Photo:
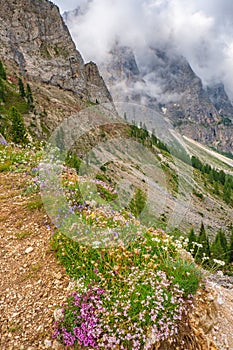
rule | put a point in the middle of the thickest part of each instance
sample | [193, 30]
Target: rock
[58, 315]
[91, 203]
[220, 273]
[220, 300]
[29, 250]
[48, 343]
[58, 276]
[57, 346]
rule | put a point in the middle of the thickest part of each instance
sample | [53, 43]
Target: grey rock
[34, 36]
[48, 343]
[29, 250]
[58, 315]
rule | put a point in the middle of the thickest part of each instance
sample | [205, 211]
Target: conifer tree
[29, 97]
[18, 130]
[219, 247]
[2, 91]
[227, 192]
[2, 71]
[138, 202]
[204, 249]
[192, 239]
[223, 240]
[231, 248]
[216, 188]
[21, 88]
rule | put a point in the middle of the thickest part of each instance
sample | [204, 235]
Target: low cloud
[201, 31]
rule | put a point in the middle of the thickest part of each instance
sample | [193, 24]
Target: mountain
[161, 79]
[35, 40]
[169, 85]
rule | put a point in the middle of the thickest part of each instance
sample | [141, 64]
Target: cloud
[202, 31]
[66, 5]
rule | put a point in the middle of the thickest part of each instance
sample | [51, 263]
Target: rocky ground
[33, 284]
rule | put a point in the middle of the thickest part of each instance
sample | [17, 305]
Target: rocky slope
[35, 40]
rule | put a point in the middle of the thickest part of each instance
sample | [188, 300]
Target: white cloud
[200, 30]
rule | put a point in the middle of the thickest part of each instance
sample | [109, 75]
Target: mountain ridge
[172, 88]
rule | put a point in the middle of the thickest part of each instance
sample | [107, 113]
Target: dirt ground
[32, 282]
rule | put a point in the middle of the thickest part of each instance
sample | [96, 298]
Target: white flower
[219, 262]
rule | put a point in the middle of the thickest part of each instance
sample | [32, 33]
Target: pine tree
[216, 188]
[204, 249]
[222, 177]
[29, 97]
[2, 91]
[21, 88]
[2, 71]
[227, 192]
[192, 239]
[18, 130]
[138, 202]
[211, 176]
[223, 240]
[219, 247]
[231, 248]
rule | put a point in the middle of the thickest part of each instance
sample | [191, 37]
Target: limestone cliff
[34, 36]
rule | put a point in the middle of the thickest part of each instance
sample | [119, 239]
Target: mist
[200, 30]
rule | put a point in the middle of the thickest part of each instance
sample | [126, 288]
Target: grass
[23, 234]
[5, 166]
[13, 327]
[35, 204]
[19, 159]
[12, 98]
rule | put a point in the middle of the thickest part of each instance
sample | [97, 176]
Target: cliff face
[34, 36]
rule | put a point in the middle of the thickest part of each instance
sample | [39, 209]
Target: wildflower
[219, 262]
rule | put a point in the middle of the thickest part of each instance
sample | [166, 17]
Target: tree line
[12, 124]
[207, 253]
[216, 177]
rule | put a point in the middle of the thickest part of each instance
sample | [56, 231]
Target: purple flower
[3, 142]
[68, 338]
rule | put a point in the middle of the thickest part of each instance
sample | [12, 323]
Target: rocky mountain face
[35, 39]
[168, 84]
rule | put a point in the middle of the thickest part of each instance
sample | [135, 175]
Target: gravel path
[32, 283]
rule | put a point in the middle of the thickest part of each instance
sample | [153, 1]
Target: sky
[200, 30]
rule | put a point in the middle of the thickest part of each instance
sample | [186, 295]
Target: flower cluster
[80, 323]
[144, 298]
